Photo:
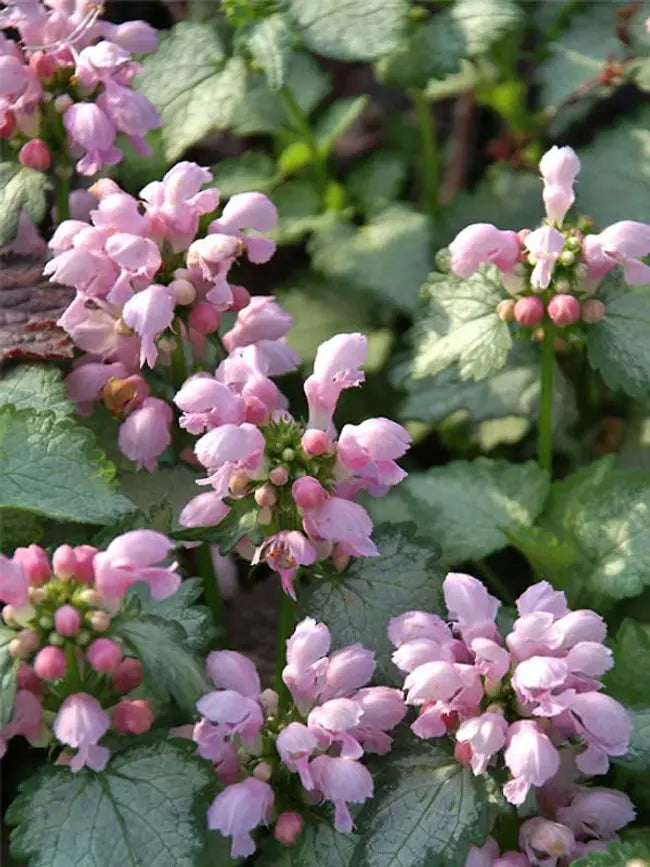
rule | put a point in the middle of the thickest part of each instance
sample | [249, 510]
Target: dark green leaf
[8, 671]
[552, 558]
[375, 182]
[337, 119]
[35, 386]
[617, 855]
[250, 171]
[637, 758]
[300, 211]
[432, 50]
[140, 811]
[270, 43]
[173, 486]
[358, 604]
[18, 527]
[19, 188]
[51, 466]
[318, 846]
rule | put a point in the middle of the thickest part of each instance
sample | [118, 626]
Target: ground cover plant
[324, 454]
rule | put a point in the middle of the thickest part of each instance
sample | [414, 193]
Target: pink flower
[480, 243]
[138, 260]
[492, 660]
[132, 557]
[483, 856]
[542, 597]
[20, 89]
[81, 723]
[342, 781]
[604, 725]
[35, 563]
[230, 447]
[261, 319]
[348, 669]
[249, 211]
[531, 758]
[538, 682]
[564, 310]
[239, 809]
[331, 722]
[234, 713]
[559, 168]
[210, 259]
[336, 367]
[597, 812]
[85, 383]
[206, 510]
[339, 520]
[370, 448]
[486, 734]
[306, 662]
[308, 493]
[228, 669]
[545, 244]
[382, 709]
[471, 606]
[93, 132]
[149, 313]
[35, 154]
[420, 650]
[577, 626]
[208, 403]
[418, 624]
[285, 552]
[539, 838]
[533, 634]
[14, 586]
[433, 681]
[295, 745]
[624, 244]
[131, 112]
[26, 718]
[145, 434]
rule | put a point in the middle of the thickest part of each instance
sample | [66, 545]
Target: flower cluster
[555, 269]
[298, 481]
[524, 704]
[64, 92]
[62, 613]
[277, 762]
[144, 282]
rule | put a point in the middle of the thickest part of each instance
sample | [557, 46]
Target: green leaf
[35, 386]
[427, 809]
[467, 505]
[141, 810]
[619, 345]
[169, 668]
[358, 604]
[389, 256]
[637, 757]
[181, 608]
[485, 22]
[611, 190]
[250, 171]
[461, 325]
[8, 672]
[432, 50]
[271, 43]
[617, 855]
[192, 85]
[550, 557]
[19, 528]
[300, 211]
[350, 29]
[51, 466]
[318, 846]
[19, 188]
[336, 119]
[240, 521]
[174, 486]
[629, 680]
[375, 182]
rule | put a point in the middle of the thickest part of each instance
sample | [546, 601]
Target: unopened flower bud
[98, 620]
[264, 516]
[46, 621]
[7, 126]
[15, 648]
[263, 772]
[35, 563]
[50, 663]
[506, 310]
[288, 455]
[288, 828]
[573, 243]
[308, 493]
[30, 640]
[64, 562]
[562, 286]
[44, 65]
[127, 675]
[269, 699]
[529, 311]
[567, 258]
[27, 678]
[62, 103]
[279, 476]
[463, 753]
[204, 318]
[132, 716]
[582, 272]
[238, 482]
[241, 298]
[35, 154]
[315, 442]
[592, 311]
[58, 640]
[183, 291]
[340, 558]
[89, 597]
[104, 655]
[8, 616]
[37, 595]
[67, 620]
[564, 310]
[266, 496]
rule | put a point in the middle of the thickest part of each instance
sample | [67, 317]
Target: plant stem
[285, 628]
[73, 674]
[308, 137]
[429, 163]
[178, 368]
[545, 441]
[205, 566]
[62, 202]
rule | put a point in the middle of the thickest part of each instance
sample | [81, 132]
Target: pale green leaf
[8, 672]
[485, 22]
[432, 49]
[300, 211]
[250, 171]
[376, 181]
[270, 42]
[35, 386]
[175, 486]
[19, 188]
[336, 119]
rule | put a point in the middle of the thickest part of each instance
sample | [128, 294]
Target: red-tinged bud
[241, 298]
[98, 620]
[104, 187]
[35, 154]
[28, 679]
[529, 311]
[264, 516]
[522, 234]
[204, 318]
[7, 126]
[104, 655]
[266, 496]
[256, 411]
[44, 65]
[592, 311]
[263, 772]
[64, 562]
[564, 310]
[85, 556]
[132, 717]
[340, 558]
[308, 493]
[30, 640]
[67, 620]
[450, 720]
[288, 828]
[50, 663]
[506, 310]
[279, 476]
[127, 675]
[315, 442]
[183, 290]
[35, 563]
[463, 753]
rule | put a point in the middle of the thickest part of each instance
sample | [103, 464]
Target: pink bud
[529, 311]
[308, 493]
[564, 310]
[62, 103]
[263, 772]
[127, 675]
[266, 496]
[99, 620]
[30, 640]
[28, 679]
[506, 310]
[240, 298]
[84, 557]
[35, 154]
[7, 126]
[133, 717]
[279, 476]
[463, 753]
[50, 663]
[315, 442]
[64, 562]
[67, 620]
[288, 828]
[35, 563]
[44, 65]
[340, 558]
[204, 318]
[104, 655]
[591, 311]
[183, 291]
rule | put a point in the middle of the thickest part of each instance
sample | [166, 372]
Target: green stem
[429, 162]
[205, 566]
[308, 137]
[545, 441]
[178, 368]
[73, 675]
[62, 200]
[285, 628]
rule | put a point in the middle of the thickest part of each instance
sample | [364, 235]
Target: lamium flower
[81, 723]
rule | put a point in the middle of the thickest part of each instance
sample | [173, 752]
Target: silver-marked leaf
[35, 386]
[318, 846]
[270, 43]
[8, 673]
[19, 188]
[337, 119]
[484, 22]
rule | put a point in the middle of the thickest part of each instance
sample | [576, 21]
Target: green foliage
[19, 188]
[431, 50]
[460, 324]
[376, 181]
[637, 757]
[192, 84]
[483, 23]
[8, 671]
[388, 256]
[336, 119]
[251, 171]
[240, 521]
[172, 487]
[467, 506]
[358, 603]
[35, 386]
[318, 846]
[271, 42]
[618, 345]
[140, 810]
[299, 211]
[51, 466]
[617, 855]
